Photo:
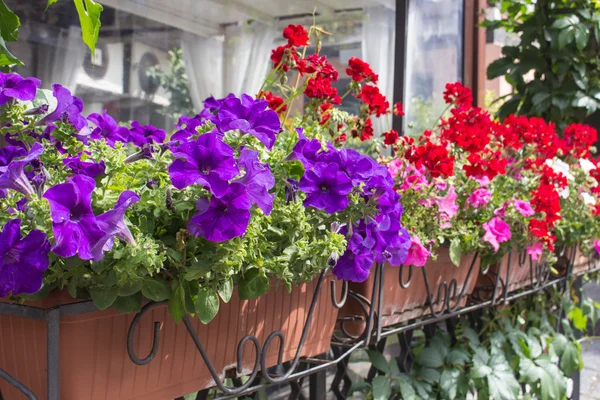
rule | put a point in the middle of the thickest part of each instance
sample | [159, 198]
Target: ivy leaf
[104, 297]
[430, 358]
[89, 17]
[156, 289]
[206, 305]
[254, 284]
[177, 304]
[382, 388]
[226, 289]
[9, 23]
[6, 57]
[378, 361]
[455, 251]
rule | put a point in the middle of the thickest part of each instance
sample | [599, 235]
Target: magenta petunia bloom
[447, 204]
[107, 129]
[207, 161]
[258, 180]
[68, 108]
[88, 168]
[74, 224]
[112, 224]
[14, 86]
[524, 208]
[22, 260]
[249, 116]
[417, 254]
[223, 218]
[535, 251]
[13, 175]
[327, 187]
[597, 246]
[145, 134]
[496, 232]
[479, 197]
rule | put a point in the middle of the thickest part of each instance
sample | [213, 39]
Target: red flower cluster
[488, 163]
[287, 56]
[579, 138]
[468, 128]
[359, 70]
[320, 86]
[376, 101]
[367, 132]
[458, 95]
[274, 102]
[391, 137]
[398, 110]
[296, 35]
[540, 229]
[520, 131]
[434, 157]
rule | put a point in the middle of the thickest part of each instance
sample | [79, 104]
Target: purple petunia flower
[14, 86]
[223, 218]
[13, 175]
[68, 108]
[187, 127]
[107, 129]
[354, 265]
[326, 187]
[306, 150]
[207, 161]
[258, 180]
[148, 134]
[249, 116]
[112, 224]
[75, 227]
[88, 168]
[22, 260]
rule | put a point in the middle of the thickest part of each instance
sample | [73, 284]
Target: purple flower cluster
[13, 86]
[330, 176]
[13, 161]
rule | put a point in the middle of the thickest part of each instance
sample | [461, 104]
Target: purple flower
[354, 265]
[392, 241]
[107, 129]
[479, 197]
[524, 208]
[326, 187]
[291, 190]
[258, 180]
[223, 218]
[75, 227]
[22, 260]
[9, 153]
[496, 232]
[187, 127]
[206, 161]
[68, 108]
[112, 224]
[88, 168]
[306, 150]
[13, 86]
[148, 134]
[13, 176]
[249, 116]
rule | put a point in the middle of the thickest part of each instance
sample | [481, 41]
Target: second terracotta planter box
[94, 362]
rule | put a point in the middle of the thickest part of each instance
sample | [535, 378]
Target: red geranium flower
[579, 138]
[377, 102]
[434, 157]
[321, 88]
[398, 110]
[367, 132]
[286, 55]
[360, 70]
[296, 35]
[458, 95]
[391, 137]
[273, 101]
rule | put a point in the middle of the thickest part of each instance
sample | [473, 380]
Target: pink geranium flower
[496, 232]
[480, 197]
[417, 253]
[535, 251]
[524, 208]
[394, 167]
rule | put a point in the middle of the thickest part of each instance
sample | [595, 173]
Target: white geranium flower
[560, 166]
[586, 165]
[564, 193]
[588, 199]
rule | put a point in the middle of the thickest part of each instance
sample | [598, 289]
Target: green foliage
[89, 18]
[558, 43]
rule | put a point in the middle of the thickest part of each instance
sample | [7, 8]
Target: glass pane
[434, 57]
[157, 60]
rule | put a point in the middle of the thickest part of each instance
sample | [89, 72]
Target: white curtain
[62, 62]
[379, 29]
[203, 59]
[247, 51]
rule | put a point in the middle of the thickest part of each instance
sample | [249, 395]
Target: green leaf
[6, 57]
[578, 318]
[378, 361]
[50, 2]
[449, 383]
[226, 289]
[177, 304]
[430, 358]
[156, 289]
[128, 304]
[569, 361]
[359, 386]
[382, 388]
[582, 37]
[457, 357]
[206, 305]
[539, 98]
[104, 297]
[455, 251]
[254, 284]
[561, 23]
[480, 371]
[131, 288]
[503, 385]
[89, 18]
[565, 37]
[499, 67]
[9, 23]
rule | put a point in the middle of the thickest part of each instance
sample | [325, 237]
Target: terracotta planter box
[402, 304]
[582, 263]
[94, 363]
